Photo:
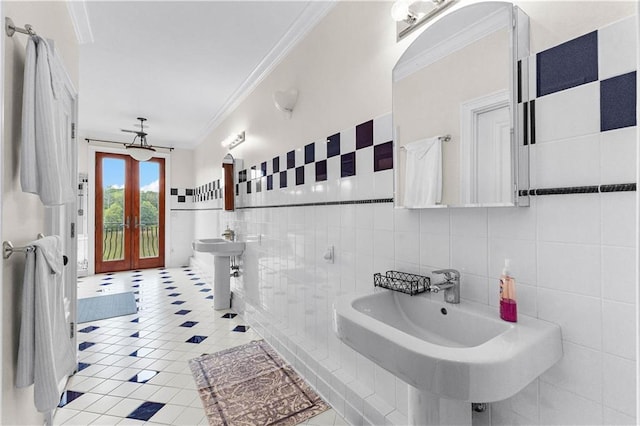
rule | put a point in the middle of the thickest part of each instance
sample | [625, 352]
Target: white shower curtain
[44, 168]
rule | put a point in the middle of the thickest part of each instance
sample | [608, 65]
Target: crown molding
[310, 16]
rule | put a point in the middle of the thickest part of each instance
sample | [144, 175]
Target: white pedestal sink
[449, 354]
[222, 250]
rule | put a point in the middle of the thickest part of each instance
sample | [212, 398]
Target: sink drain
[443, 311]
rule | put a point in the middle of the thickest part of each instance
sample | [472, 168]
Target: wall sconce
[233, 140]
[286, 101]
[412, 14]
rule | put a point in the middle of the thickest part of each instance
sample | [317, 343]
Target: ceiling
[183, 65]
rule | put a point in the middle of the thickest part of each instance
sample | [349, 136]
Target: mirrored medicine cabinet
[463, 81]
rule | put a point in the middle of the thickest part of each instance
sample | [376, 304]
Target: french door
[129, 221]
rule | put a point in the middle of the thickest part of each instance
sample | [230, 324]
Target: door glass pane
[113, 222]
[149, 213]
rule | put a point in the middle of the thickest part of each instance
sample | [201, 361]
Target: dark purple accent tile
[249, 187]
[229, 315]
[145, 411]
[188, 324]
[241, 328]
[618, 102]
[183, 312]
[321, 171]
[276, 164]
[269, 182]
[300, 175]
[189, 191]
[310, 153]
[178, 302]
[143, 376]
[283, 179]
[174, 294]
[84, 345]
[182, 199]
[567, 65]
[263, 168]
[237, 189]
[348, 164]
[68, 396]
[383, 156]
[364, 134]
[196, 339]
[333, 145]
[174, 191]
[83, 365]
[291, 159]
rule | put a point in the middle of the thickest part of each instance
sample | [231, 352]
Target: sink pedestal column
[426, 408]
[221, 282]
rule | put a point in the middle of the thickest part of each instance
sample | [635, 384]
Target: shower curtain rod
[11, 29]
[89, 140]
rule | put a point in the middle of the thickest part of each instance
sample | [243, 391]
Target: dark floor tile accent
[209, 297]
[383, 156]
[333, 145]
[348, 164]
[269, 182]
[82, 366]
[291, 159]
[84, 345]
[199, 284]
[195, 339]
[107, 278]
[174, 294]
[136, 286]
[568, 65]
[300, 175]
[194, 279]
[172, 287]
[143, 376]
[321, 171]
[68, 396]
[135, 320]
[241, 328]
[205, 290]
[183, 312]
[310, 153]
[167, 282]
[110, 273]
[364, 134]
[136, 334]
[88, 329]
[136, 281]
[145, 411]
[276, 164]
[142, 352]
[103, 284]
[229, 315]
[188, 324]
[178, 302]
[283, 179]
[618, 102]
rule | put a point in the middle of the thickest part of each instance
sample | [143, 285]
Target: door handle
[127, 222]
[135, 221]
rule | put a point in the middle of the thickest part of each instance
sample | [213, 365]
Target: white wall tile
[613, 417]
[435, 221]
[516, 223]
[579, 108]
[407, 246]
[569, 267]
[572, 218]
[383, 129]
[383, 184]
[348, 140]
[469, 222]
[434, 250]
[619, 219]
[578, 371]
[617, 48]
[524, 405]
[383, 214]
[619, 329]
[560, 407]
[522, 254]
[469, 255]
[472, 287]
[580, 317]
[618, 155]
[618, 273]
[385, 385]
[406, 220]
[619, 391]
[552, 169]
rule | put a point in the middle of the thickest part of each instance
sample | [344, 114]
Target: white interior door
[493, 147]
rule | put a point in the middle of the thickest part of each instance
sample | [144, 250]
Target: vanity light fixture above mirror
[412, 14]
[233, 140]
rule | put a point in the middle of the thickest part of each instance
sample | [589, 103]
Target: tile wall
[573, 254]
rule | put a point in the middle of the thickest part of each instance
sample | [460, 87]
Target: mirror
[228, 187]
[458, 109]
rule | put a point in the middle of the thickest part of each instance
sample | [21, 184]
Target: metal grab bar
[8, 249]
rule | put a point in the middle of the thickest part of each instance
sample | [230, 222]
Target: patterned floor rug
[252, 385]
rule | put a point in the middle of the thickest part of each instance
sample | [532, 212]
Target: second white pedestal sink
[222, 250]
[449, 354]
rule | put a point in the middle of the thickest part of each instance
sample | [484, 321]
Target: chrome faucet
[228, 234]
[451, 285]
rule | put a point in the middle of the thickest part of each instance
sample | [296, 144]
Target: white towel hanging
[423, 177]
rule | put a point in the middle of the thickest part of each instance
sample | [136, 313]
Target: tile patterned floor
[133, 369]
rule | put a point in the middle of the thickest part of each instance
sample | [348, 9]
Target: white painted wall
[575, 254]
[23, 216]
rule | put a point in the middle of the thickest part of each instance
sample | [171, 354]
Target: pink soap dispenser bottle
[508, 306]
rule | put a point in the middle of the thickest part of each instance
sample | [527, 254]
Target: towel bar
[8, 248]
[444, 138]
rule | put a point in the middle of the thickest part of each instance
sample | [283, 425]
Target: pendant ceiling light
[140, 151]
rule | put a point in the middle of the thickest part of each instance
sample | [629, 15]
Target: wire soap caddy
[402, 281]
